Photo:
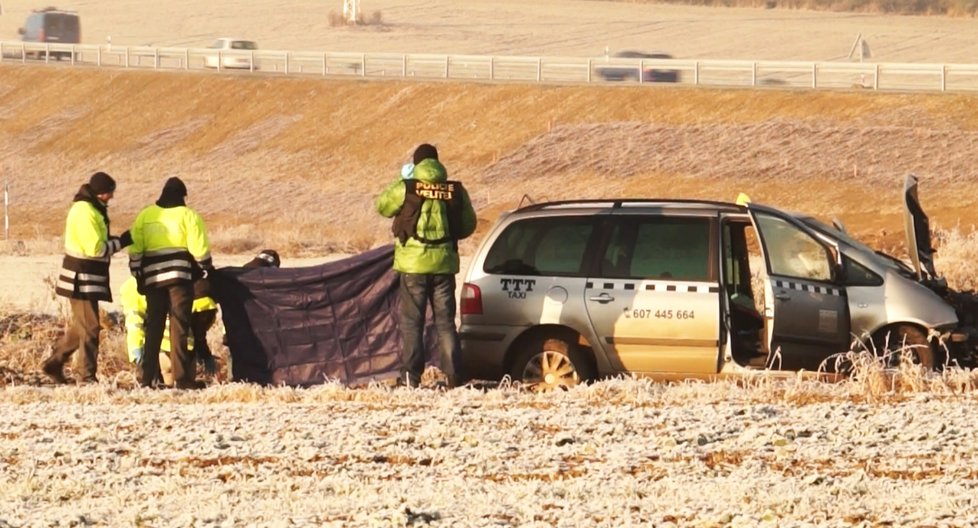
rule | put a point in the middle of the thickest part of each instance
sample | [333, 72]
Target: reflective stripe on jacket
[84, 270]
[167, 243]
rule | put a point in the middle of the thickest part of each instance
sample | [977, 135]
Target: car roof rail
[619, 203]
[52, 9]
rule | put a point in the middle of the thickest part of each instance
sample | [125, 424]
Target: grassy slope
[296, 163]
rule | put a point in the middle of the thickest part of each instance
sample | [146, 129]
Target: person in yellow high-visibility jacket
[84, 278]
[170, 250]
[134, 308]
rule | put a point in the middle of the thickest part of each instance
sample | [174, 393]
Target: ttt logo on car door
[517, 288]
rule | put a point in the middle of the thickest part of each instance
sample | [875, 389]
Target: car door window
[792, 252]
[667, 248]
[859, 275]
[541, 246]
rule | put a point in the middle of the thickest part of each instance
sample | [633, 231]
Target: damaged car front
[895, 306]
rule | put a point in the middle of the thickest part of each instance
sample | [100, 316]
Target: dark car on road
[628, 70]
[52, 25]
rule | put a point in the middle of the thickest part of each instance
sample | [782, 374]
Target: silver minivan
[562, 292]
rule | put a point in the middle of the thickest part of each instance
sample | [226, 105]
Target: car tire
[890, 344]
[550, 362]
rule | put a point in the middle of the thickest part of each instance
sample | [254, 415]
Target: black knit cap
[101, 183]
[173, 189]
[425, 151]
[268, 258]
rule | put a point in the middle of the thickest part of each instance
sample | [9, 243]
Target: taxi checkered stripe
[808, 288]
[631, 286]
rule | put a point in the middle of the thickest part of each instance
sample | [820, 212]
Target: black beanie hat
[174, 189]
[268, 258]
[423, 152]
[101, 183]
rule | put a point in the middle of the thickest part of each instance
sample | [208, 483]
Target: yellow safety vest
[84, 270]
[166, 242]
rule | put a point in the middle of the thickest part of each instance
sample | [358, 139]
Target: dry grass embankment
[296, 163]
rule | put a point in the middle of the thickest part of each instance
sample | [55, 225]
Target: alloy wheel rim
[549, 370]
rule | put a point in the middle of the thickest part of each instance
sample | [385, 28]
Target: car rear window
[61, 23]
[243, 44]
[541, 246]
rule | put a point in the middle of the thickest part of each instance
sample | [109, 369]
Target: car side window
[541, 246]
[670, 248]
[859, 275]
[791, 252]
[34, 23]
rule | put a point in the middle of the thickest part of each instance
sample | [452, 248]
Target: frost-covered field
[865, 452]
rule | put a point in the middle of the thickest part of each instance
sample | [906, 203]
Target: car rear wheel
[895, 343]
[551, 363]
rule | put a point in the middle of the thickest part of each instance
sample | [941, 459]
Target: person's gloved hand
[126, 239]
[136, 356]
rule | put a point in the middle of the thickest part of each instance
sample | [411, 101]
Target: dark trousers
[82, 334]
[201, 322]
[418, 290]
[176, 301]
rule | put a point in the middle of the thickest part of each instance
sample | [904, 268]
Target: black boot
[54, 369]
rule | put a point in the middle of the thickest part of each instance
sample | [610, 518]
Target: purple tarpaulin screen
[306, 326]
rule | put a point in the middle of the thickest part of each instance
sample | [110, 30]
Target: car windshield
[844, 237]
[234, 44]
[641, 55]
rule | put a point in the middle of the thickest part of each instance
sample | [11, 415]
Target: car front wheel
[892, 345]
[551, 363]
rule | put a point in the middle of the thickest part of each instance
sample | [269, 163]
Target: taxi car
[563, 292]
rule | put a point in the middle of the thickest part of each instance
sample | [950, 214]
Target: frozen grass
[883, 447]
[616, 453]
[957, 256]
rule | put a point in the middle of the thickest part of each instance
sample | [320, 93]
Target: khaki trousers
[81, 334]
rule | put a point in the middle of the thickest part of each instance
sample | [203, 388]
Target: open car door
[806, 312]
